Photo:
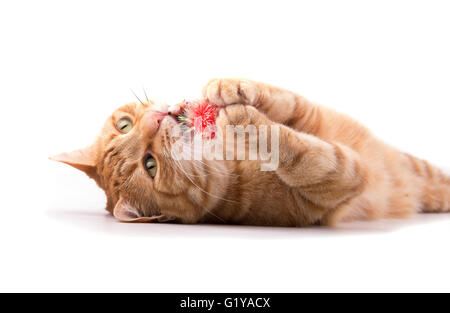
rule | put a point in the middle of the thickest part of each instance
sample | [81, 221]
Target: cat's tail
[436, 186]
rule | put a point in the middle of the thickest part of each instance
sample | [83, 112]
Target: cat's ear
[83, 160]
[127, 213]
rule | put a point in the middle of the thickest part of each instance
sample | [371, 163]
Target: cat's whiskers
[177, 163]
[136, 96]
[187, 149]
[214, 170]
[189, 177]
[146, 96]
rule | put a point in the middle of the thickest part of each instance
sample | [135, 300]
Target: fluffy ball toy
[200, 116]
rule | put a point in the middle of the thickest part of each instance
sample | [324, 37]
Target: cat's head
[131, 161]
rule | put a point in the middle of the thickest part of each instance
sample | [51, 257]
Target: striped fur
[331, 168]
[334, 162]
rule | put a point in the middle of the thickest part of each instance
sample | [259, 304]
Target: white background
[65, 65]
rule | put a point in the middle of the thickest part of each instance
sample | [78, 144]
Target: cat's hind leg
[435, 185]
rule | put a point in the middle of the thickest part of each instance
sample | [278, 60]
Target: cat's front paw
[228, 91]
[239, 114]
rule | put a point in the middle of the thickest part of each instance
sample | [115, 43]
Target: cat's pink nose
[150, 122]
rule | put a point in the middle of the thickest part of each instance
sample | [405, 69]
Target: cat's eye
[124, 125]
[151, 166]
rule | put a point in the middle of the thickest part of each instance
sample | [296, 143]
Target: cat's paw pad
[227, 91]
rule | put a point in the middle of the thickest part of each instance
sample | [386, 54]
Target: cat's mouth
[176, 116]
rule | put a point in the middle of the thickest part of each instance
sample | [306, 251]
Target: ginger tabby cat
[331, 168]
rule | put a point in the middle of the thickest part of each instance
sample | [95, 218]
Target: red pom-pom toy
[200, 116]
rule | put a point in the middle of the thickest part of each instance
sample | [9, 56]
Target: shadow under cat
[102, 222]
